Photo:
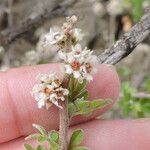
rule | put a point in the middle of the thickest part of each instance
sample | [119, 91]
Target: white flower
[41, 99]
[53, 40]
[37, 88]
[80, 63]
[78, 34]
[48, 90]
[54, 36]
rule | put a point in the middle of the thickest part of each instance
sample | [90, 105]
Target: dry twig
[9, 35]
[114, 54]
[128, 42]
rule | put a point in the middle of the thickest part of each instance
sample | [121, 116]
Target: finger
[18, 110]
[106, 135]
[105, 85]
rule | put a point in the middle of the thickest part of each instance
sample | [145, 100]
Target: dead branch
[114, 54]
[128, 42]
[10, 34]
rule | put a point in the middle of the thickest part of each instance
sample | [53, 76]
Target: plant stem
[63, 113]
[63, 126]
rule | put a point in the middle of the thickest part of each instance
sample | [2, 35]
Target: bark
[123, 47]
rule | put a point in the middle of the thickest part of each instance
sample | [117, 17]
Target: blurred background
[102, 22]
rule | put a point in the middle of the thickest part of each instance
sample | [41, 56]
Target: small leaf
[77, 89]
[28, 147]
[95, 104]
[42, 138]
[53, 144]
[80, 148]
[82, 107]
[53, 139]
[54, 135]
[76, 138]
[37, 136]
[81, 86]
[84, 94]
[71, 84]
[33, 136]
[71, 109]
[40, 128]
[40, 148]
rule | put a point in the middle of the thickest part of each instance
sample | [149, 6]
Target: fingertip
[106, 84]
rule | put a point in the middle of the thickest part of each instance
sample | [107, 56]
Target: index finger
[18, 110]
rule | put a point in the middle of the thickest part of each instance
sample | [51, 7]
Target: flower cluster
[80, 63]
[49, 91]
[57, 37]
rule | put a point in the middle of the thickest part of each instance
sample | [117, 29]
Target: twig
[10, 34]
[128, 42]
[114, 54]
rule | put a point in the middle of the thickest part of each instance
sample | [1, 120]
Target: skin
[18, 111]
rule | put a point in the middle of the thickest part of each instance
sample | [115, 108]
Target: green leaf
[84, 94]
[80, 148]
[53, 139]
[53, 144]
[71, 83]
[82, 107]
[42, 138]
[28, 147]
[81, 86]
[87, 107]
[40, 148]
[77, 89]
[95, 104]
[37, 136]
[71, 109]
[33, 136]
[54, 135]
[76, 138]
[40, 128]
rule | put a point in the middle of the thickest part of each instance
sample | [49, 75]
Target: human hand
[18, 111]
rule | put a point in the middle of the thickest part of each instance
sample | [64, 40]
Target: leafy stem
[63, 126]
[69, 95]
[63, 113]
